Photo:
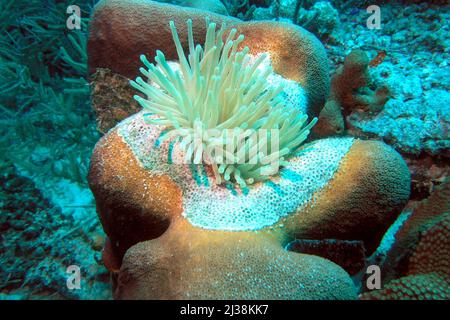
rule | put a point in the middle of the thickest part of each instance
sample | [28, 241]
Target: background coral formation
[418, 264]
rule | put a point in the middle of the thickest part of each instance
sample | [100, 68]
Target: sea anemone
[221, 108]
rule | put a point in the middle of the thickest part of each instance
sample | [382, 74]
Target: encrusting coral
[217, 88]
[116, 101]
[168, 220]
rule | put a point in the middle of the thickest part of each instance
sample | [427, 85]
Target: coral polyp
[218, 103]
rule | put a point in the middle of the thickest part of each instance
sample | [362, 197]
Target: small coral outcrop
[349, 85]
[349, 93]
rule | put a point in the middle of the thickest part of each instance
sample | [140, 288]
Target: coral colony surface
[224, 149]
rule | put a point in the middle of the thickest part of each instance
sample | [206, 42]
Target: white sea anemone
[218, 88]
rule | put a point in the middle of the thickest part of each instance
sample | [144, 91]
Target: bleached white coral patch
[292, 93]
[225, 206]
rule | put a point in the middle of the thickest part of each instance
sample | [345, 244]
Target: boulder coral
[193, 263]
[173, 232]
